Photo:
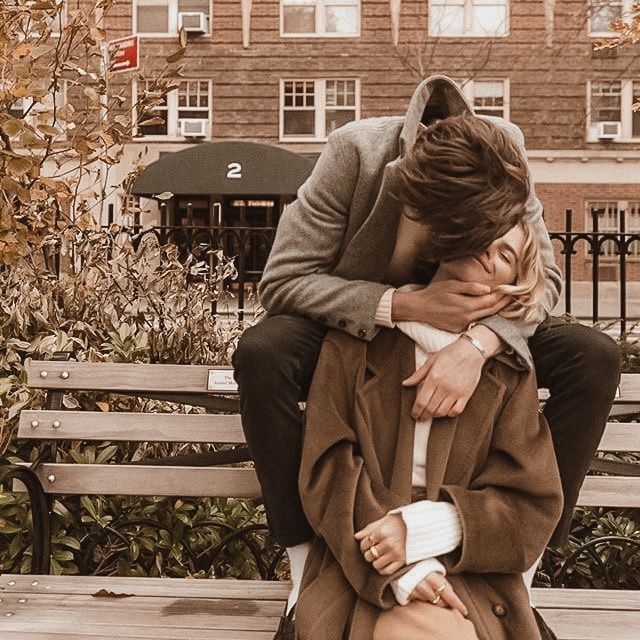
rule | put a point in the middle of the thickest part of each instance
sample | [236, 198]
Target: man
[343, 247]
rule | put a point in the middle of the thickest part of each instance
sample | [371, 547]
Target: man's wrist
[403, 307]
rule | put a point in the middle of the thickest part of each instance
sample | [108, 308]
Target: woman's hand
[383, 542]
[437, 590]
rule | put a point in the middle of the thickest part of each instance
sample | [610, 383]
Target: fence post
[623, 273]
[595, 271]
[568, 251]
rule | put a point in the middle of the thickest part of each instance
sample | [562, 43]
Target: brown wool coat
[495, 462]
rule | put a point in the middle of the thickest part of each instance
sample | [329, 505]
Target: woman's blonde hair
[528, 290]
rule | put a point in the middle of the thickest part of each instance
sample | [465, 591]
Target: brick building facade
[286, 72]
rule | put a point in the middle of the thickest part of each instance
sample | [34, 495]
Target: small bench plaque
[221, 380]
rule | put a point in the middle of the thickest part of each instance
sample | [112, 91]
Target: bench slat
[591, 624]
[622, 600]
[202, 428]
[610, 491]
[113, 376]
[118, 613]
[111, 479]
[119, 427]
[139, 586]
[80, 611]
[621, 436]
[152, 633]
[139, 480]
[62, 606]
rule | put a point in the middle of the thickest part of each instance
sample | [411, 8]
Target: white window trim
[173, 20]
[626, 116]
[319, 98]
[466, 87]
[173, 122]
[315, 34]
[436, 34]
[622, 205]
[36, 110]
[627, 7]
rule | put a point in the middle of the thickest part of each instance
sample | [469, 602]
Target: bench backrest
[112, 479]
[119, 479]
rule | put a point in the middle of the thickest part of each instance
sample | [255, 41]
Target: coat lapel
[463, 433]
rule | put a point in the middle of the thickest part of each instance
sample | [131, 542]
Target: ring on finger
[437, 599]
[441, 588]
[374, 551]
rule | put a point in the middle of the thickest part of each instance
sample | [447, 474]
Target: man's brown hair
[465, 178]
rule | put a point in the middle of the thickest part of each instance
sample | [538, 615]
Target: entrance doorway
[248, 226]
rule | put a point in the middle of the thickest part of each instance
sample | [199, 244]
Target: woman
[489, 478]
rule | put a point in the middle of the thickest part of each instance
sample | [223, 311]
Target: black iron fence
[593, 250]
[248, 246]
[601, 248]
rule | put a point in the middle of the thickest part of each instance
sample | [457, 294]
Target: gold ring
[441, 588]
[436, 599]
[374, 552]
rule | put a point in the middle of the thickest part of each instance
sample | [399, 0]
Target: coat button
[342, 323]
[362, 333]
[499, 610]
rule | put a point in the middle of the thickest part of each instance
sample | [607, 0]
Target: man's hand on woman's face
[437, 590]
[446, 381]
[388, 537]
[451, 305]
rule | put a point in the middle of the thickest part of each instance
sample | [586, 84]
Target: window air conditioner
[609, 130]
[193, 21]
[194, 127]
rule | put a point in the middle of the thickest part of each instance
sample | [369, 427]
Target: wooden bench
[44, 606]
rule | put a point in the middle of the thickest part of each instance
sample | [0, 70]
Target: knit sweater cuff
[433, 529]
[403, 587]
[383, 312]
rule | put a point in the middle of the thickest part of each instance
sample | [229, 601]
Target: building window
[312, 109]
[468, 18]
[40, 112]
[608, 216]
[320, 17]
[611, 116]
[488, 97]
[602, 13]
[184, 112]
[166, 17]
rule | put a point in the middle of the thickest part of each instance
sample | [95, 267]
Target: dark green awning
[229, 167]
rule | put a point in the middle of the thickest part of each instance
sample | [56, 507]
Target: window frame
[609, 256]
[320, 97]
[626, 7]
[467, 13]
[467, 88]
[626, 114]
[320, 20]
[173, 109]
[173, 11]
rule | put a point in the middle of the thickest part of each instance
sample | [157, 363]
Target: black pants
[275, 361]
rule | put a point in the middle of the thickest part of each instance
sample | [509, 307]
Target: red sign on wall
[123, 54]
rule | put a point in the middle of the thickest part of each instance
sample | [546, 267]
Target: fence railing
[250, 246]
[616, 246]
